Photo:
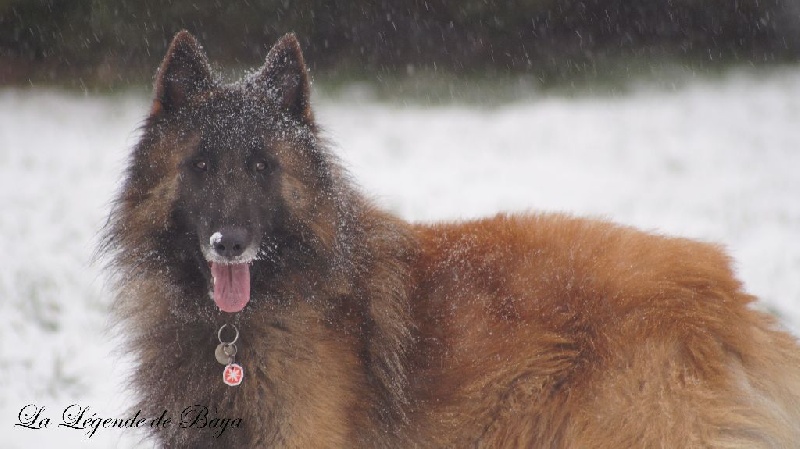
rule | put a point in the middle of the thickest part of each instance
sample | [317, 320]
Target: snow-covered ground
[716, 160]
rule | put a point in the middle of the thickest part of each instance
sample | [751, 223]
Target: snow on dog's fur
[358, 329]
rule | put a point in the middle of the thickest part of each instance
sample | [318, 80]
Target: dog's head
[234, 171]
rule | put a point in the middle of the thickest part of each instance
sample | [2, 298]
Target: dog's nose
[230, 241]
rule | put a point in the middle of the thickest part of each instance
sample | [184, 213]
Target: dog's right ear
[183, 74]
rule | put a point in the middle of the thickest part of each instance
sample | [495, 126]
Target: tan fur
[547, 331]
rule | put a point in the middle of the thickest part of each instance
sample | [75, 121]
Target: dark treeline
[108, 42]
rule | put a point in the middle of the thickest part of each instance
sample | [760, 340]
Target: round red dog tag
[233, 374]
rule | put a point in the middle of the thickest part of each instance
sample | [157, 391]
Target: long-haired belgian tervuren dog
[268, 303]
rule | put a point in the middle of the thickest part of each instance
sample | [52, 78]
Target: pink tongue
[231, 286]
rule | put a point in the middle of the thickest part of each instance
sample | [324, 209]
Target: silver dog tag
[224, 353]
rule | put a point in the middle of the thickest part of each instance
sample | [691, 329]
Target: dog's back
[549, 331]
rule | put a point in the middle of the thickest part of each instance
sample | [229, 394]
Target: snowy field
[716, 160]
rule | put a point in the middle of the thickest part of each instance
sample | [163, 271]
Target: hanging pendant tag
[233, 374]
[224, 353]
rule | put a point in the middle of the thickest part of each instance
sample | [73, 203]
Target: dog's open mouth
[231, 285]
[229, 253]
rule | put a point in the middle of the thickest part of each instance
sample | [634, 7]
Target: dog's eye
[200, 165]
[261, 166]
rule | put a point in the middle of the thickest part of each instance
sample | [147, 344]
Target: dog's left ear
[286, 75]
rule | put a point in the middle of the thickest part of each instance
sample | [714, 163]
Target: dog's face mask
[244, 154]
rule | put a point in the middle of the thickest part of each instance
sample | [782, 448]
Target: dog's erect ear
[285, 74]
[183, 74]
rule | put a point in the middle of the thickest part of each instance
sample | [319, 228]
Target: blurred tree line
[104, 42]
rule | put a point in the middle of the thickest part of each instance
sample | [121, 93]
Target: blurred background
[97, 43]
[679, 117]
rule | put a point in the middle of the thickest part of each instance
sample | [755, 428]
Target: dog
[269, 303]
